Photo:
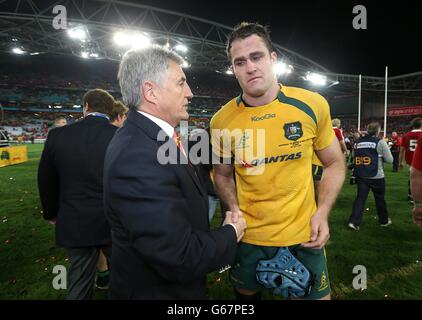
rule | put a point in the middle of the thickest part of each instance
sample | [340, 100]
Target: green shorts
[317, 172]
[243, 272]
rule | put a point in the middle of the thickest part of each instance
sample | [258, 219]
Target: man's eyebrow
[239, 59]
[242, 58]
[256, 53]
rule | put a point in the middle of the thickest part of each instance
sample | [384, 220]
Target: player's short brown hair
[98, 100]
[373, 128]
[119, 109]
[246, 29]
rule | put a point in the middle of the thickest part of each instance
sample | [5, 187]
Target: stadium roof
[28, 25]
[103, 29]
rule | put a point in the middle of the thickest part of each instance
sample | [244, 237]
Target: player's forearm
[226, 190]
[416, 184]
[330, 187]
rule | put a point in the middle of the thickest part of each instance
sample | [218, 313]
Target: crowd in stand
[26, 98]
[397, 124]
[23, 125]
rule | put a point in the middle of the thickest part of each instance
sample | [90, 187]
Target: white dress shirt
[168, 129]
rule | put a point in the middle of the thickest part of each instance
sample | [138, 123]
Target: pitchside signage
[13, 155]
[405, 111]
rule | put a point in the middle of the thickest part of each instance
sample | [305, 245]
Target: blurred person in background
[118, 114]
[416, 183]
[336, 123]
[369, 155]
[408, 147]
[70, 183]
[59, 122]
[395, 150]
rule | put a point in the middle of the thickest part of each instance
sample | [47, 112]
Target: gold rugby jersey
[273, 146]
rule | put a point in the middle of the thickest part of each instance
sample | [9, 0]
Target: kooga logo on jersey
[265, 117]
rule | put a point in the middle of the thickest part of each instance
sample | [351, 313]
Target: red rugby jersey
[338, 133]
[417, 156]
[409, 142]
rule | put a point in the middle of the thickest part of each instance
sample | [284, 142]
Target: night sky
[323, 31]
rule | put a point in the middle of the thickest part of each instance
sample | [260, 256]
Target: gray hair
[140, 65]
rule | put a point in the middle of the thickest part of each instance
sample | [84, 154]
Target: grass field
[391, 255]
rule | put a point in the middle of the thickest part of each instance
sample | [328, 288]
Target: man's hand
[240, 224]
[417, 216]
[236, 214]
[320, 232]
[52, 221]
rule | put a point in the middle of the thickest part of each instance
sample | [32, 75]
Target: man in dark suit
[162, 245]
[70, 182]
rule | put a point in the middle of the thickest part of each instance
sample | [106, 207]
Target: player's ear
[85, 108]
[274, 57]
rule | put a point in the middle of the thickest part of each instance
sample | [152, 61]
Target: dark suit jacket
[162, 246]
[204, 169]
[70, 182]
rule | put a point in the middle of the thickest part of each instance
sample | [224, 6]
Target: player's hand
[236, 214]
[240, 225]
[320, 232]
[417, 216]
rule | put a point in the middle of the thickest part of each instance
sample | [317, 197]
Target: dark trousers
[82, 271]
[378, 188]
[395, 161]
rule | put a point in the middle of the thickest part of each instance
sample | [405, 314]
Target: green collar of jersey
[298, 104]
[287, 100]
[239, 99]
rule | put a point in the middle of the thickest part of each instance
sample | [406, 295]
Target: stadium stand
[32, 101]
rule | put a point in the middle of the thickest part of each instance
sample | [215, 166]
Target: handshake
[236, 219]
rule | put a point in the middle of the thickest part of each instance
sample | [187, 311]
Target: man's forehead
[246, 46]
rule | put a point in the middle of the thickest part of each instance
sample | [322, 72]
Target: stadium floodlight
[93, 55]
[77, 33]
[281, 68]
[181, 48]
[132, 39]
[34, 53]
[185, 64]
[85, 55]
[17, 50]
[77, 106]
[229, 71]
[317, 79]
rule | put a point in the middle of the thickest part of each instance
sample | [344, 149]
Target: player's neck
[266, 98]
